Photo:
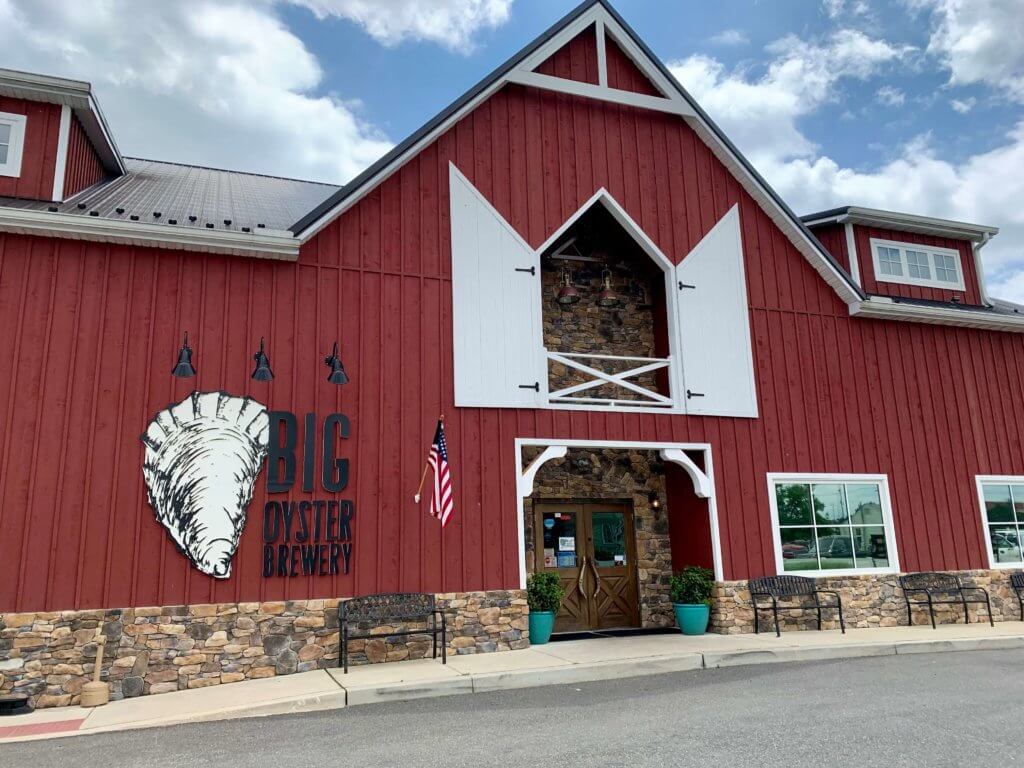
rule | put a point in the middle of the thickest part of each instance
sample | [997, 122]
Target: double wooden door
[592, 547]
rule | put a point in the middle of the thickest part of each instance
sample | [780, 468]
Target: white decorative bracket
[701, 482]
[526, 479]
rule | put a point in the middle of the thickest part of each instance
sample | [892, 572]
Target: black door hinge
[535, 386]
[690, 394]
[531, 270]
[685, 285]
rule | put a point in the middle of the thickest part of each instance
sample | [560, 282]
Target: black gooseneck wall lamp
[337, 374]
[262, 370]
[184, 369]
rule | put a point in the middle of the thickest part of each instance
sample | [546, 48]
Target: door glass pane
[1005, 544]
[798, 549]
[829, 504]
[794, 503]
[835, 548]
[609, 539]
[865, 503]
[559, 539]
[869, 547]
[997, 503]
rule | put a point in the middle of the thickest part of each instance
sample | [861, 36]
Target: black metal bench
[398, 608]
[941, 589]
[778, 587]
[1017, 582]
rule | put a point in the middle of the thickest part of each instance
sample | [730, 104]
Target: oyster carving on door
[201, 462]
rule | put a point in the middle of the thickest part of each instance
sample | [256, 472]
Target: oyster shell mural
[202, 458]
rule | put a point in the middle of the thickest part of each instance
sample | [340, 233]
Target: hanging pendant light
[567, 294]
[184, 369]
[337, 374]
[607, 298]
[262, 371]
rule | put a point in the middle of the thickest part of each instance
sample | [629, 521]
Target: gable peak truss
[597, 21]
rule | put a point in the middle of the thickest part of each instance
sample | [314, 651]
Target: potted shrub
[691, 589]
[544, 593]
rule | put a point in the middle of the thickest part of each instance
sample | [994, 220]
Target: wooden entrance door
[591, 546]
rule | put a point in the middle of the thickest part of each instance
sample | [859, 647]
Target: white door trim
[703, 481]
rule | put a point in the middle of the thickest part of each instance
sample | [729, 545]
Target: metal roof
[175, 195]
[909, 222]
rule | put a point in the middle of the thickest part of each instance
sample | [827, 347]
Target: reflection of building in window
[832, 525]
[1003, 514]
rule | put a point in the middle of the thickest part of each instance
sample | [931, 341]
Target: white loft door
[714, 325]
[495, 306]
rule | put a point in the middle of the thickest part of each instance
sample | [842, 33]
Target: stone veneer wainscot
[51, 655]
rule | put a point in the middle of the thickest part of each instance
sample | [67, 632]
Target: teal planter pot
[542, 623]
[692, 619]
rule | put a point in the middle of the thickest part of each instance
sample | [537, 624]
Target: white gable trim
[597, 14]
[601, 93]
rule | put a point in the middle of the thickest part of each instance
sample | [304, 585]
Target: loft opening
[604, 315]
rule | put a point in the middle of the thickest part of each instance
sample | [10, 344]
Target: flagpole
[426, 466]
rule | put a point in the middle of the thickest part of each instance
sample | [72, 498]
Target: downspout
[976, 247]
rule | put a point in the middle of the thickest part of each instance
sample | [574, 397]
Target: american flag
[442, 505]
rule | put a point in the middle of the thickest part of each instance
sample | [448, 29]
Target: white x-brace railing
[649, 397]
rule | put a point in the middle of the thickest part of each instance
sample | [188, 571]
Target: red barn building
[643, 357]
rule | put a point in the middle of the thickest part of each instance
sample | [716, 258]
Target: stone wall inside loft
[615, 474]
[627, 330]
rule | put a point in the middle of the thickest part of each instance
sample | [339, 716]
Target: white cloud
[963, 106]
[836, 9]
[730, 37]
[761, 113]
[979, 41]
[451, 23]
[890, 96]
[214, 83]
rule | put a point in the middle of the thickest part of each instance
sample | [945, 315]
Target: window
[1002, 514]
[12, 137]
[927, 266]
[832, 524]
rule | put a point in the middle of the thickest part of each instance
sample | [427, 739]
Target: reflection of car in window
[794, 549]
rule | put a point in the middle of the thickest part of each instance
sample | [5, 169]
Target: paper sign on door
[567, 543]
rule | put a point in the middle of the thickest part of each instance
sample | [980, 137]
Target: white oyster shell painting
[202, 459]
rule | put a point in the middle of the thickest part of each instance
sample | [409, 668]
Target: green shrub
[692, 585]
[544, 592]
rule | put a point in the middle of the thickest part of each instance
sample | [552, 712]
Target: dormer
[906, 257]
[54, 142]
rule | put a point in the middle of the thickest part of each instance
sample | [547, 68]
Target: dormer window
[12, 138]
[912, 264]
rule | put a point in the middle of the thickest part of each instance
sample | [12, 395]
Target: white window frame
[905, 278]
[14, 151]
[983, 480]
[818, 478]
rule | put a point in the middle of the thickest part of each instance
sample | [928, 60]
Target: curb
[486, 682]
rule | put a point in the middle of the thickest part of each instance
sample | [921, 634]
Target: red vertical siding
[863, 235]
[94, 330]
[83, 167]
[39, 155]
[833, 237]
[576, 60]
[624, 74]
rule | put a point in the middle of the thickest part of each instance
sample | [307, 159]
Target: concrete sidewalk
[572, 661]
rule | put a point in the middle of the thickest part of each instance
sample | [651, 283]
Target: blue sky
[914, 105]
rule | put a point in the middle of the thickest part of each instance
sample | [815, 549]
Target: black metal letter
[278, 452]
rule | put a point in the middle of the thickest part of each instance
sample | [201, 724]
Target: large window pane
[793, 502]
[835, 548]
[865, 503]
[5, 133]
[1017, 491]
[870, 548]
[889, 261]
[798, 551]
[3, 154]
[998, 508]
[1005, 544]
[829, 504]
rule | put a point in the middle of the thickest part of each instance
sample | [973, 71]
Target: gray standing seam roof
[191, 196]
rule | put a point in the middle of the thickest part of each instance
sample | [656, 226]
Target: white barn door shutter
[495, 306]
[714, 324]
